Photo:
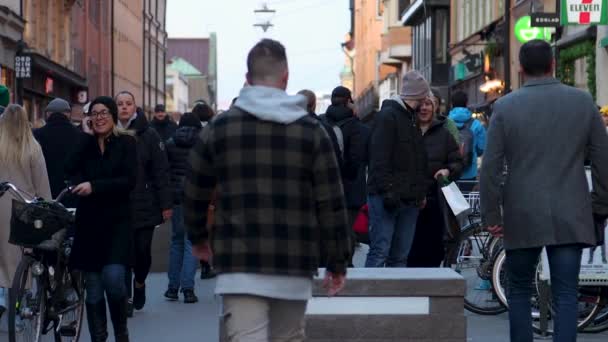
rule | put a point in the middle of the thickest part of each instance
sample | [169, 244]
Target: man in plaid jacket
[279, 204]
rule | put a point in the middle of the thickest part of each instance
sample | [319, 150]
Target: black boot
[98, 322]
[118, 313]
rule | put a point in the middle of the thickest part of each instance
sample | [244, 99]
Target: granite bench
[390, 304]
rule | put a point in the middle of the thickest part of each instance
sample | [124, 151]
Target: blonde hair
[17, 143]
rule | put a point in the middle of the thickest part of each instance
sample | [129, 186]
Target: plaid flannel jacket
[280, 199]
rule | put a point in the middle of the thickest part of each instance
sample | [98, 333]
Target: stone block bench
[390, 304]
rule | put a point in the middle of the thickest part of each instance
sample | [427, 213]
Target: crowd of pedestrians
[268, 191]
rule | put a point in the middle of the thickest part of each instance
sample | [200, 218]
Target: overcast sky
[311, 31]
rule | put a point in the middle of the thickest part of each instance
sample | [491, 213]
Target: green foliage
[565, 64]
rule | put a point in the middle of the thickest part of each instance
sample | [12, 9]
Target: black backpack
[467, 141]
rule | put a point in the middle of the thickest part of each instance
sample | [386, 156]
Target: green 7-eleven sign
[584, 12]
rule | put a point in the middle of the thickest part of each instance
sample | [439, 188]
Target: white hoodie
[272, 104]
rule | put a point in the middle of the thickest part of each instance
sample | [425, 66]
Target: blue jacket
[460, 116]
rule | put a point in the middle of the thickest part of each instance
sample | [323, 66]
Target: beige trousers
[258, 319]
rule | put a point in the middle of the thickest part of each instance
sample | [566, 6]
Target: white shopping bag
[455, 199]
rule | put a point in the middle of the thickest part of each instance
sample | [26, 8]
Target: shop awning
[58, 71]
[416, 10]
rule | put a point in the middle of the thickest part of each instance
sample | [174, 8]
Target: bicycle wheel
[589, 298]
[71, 316]
[27, 304]
[471, 258]
[600, 323]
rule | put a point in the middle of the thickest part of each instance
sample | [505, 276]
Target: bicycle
[46, 296]
[471, 252]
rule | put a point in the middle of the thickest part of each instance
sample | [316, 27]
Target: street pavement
[162, 321]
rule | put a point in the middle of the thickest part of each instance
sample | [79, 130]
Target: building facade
[368, 44]
[47, 37]
[11, 26]
[154, 50]
[396, 54]
[92, 48]
[430, 22]
[602, 66]
[127, 50]
[177, 100]
[201, 55]
[477, 50]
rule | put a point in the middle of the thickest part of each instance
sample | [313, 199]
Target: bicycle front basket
[33, 223]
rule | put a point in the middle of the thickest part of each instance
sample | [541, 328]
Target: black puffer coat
[103, 219]
[178, 150]
[152, 193]
[165, 128]
[397, 156]
[442, 153]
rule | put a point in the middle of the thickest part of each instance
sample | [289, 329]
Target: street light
[264, 15]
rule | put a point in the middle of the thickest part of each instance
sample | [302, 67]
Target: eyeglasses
[101, 114]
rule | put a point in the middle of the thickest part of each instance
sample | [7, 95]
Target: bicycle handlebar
[25, 196]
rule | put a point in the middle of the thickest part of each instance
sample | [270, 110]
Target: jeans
[142, 244]
[182, 264]
[391, 234]
[111, 281]
[564, 263]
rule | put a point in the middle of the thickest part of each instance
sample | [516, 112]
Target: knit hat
[203, 111]
[604, 110]
[109, 103]
[160, 108]
[415, 86]
[58, 105]
[189, 120]
[4, 96]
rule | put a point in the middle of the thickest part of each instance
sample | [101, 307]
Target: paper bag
[455, 199]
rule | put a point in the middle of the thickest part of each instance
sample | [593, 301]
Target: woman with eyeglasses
[104, 171]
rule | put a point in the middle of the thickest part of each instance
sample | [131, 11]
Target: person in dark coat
[311, 106]
[151, 199]
[543, 131]
[444, 161]
[58, 139]
[204, 113]
[182, 264]
[397, 182]
[340, 115]
[104, 167]
[162, 123]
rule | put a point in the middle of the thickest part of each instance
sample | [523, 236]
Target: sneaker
[139, 297]
[130, 308]
[484, 285]
[172, 294]
[189, 296]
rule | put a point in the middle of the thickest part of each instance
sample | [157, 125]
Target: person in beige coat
[22, 165]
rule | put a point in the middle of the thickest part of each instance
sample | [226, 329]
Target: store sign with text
[584, 12]
[525, 32]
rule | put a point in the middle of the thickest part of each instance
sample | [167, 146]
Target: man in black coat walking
[162, 123]
[58, 139]
[397, 182]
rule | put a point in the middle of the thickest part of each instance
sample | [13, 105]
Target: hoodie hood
[272, 104]
[460, 115]
[339, 113]
[186, 136]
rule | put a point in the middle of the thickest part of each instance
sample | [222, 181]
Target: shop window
[441, 36]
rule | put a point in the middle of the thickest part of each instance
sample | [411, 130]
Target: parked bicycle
[471, 252]
[46, 296]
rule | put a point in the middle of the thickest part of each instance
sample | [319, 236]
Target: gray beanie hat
[414, 86]
[58, 106]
